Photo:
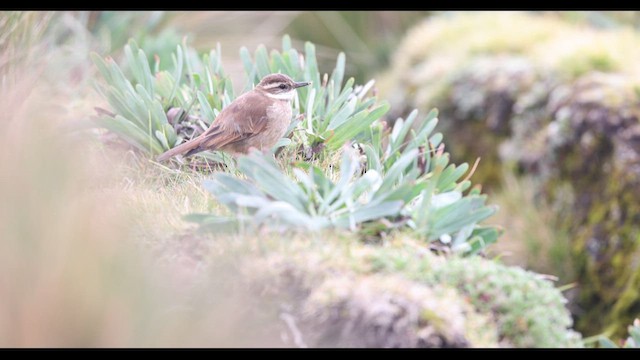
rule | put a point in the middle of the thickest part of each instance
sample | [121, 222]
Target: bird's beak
[300, 84]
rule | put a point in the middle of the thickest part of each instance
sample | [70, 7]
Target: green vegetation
[420, 192]
[333, 113]
[529, 311]
[407, 182]
[141, 104]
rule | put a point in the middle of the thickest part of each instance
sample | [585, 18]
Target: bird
[256, 119]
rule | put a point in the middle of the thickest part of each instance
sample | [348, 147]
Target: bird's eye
[283, 86]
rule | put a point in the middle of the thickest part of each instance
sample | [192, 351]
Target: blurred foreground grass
[76, 268]
[93, 254]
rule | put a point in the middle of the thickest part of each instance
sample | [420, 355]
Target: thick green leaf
[338, 73]
[343, 115]
[249, 68]
[450, 175]
[356, 127]
[634, 332]
[286, 42]
[271, 180]
[311, 70]
[481, 237]
[262, 62]
[205, 108]
[367, 213]
[394, 174]
[348, 167]
[131, 134]
[178, 64]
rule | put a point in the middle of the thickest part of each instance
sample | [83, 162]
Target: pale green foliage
[334, 113]
[405, 183]
[312, 202]
[140, 103]
[402, 186]
[436, 206]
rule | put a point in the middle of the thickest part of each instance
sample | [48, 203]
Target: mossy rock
[482, 98]
[549, 99]
[432, 51]
[346, 294]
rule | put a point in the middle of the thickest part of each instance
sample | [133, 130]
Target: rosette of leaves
[403, 186]
[141, 99]
[334, 113]
[311, 201]
[155, 110]
[440, 210]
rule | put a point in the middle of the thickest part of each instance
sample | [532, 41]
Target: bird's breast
[279, 117]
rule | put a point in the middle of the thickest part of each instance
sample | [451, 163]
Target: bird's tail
[189, 146]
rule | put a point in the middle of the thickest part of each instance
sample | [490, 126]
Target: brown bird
[256, 119]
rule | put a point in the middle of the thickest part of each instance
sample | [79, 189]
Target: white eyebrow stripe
[273, 85]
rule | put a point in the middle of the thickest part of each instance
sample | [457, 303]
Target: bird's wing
[242, 119]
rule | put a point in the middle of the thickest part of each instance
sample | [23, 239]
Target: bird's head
[279, 86]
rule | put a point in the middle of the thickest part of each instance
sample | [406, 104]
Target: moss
[528, 310]
[626, 308]
[389, 311]
[581, 64]
[595, 159]
[533, 312]
[335, 305]
[481, 99]
[607, 247]
[400, 294]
